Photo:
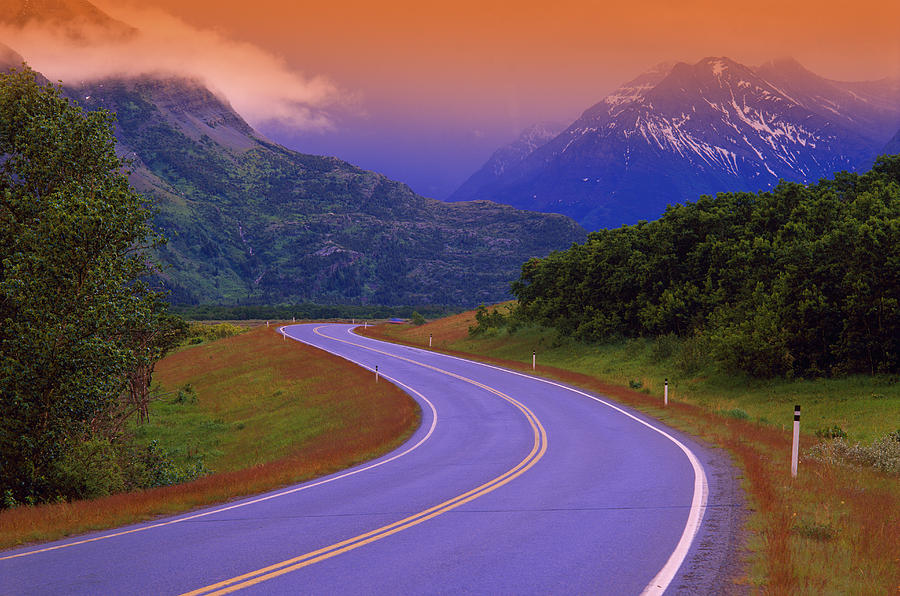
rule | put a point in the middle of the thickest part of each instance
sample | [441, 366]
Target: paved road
[511, 485]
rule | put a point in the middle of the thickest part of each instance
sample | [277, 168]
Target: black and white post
[429, 340]
[666, 393]
[795, 445]
[533, 359]
[376, 373]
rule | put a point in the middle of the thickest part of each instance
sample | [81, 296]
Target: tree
[76, 316]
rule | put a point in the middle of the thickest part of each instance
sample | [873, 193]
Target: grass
[267, 413]
[832, 530]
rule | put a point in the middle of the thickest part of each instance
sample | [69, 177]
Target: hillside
[249, 220]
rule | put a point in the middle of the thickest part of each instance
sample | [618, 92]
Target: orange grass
[861, 508]
[367, 419]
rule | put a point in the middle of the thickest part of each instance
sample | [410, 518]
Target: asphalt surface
[512, 485]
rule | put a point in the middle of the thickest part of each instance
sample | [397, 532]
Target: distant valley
[680, 130]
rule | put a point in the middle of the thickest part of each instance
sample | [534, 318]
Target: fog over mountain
[74, 41]
[250, 221]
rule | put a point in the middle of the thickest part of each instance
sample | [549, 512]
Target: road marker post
[666, 393]
[533, 360]
[795, 445]
[267, 324]
[429, 340]
[293, 319]
[376, 373]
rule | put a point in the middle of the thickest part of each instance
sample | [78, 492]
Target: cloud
[261, 86]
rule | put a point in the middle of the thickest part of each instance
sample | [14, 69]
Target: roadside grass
[265, 413]
[832, 530]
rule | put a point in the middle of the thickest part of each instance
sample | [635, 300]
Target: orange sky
[489, 68]
[471, 49]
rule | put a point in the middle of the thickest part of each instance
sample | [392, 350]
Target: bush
[883, 454]
[186, 395]
[98, 467]
[835, 432]
[487, 321]
[665, 346]
[737, 414]
[693, 355]
[198, 332]
[416, 318]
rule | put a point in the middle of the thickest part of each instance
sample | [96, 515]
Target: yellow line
[539, 448]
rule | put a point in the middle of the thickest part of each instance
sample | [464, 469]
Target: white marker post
[267, 324]
[429, 340]
[795, 446]
[666, 393]
[533, 359]
[293, 319]
[376, 373]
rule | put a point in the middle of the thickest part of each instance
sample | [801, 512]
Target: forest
[802, 280]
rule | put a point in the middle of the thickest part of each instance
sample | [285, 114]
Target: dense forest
[801, 280]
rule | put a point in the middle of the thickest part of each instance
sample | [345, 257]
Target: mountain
[893, 146]
[507, 157]
[679, 131]
[251, 221]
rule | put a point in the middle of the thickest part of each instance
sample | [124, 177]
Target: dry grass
[261, 389]
[832, 530]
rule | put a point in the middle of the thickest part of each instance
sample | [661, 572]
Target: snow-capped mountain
[682, 130]
[508, 157]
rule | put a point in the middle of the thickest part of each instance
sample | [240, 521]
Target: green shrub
[814, 531]
[416, 318]
[90, 469]
[835, 432]
[737, 414]
[693, 355]
[883, 454]
[97, 467]
[665, 346]
[186, 395]
[199, 332]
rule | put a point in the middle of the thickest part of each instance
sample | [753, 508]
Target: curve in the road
[293, 564]
[612, 503]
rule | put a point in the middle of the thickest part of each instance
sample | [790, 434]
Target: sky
[424, 91]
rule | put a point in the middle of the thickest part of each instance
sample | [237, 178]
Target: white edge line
[664, 577]
[427, 436]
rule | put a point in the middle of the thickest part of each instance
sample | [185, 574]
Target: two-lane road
[512, 484]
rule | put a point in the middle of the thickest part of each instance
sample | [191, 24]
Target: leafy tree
[79, 328]
[799, 280]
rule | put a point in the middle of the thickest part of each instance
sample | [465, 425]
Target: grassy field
[832, 530]
[260, 412]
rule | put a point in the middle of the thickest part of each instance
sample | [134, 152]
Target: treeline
[802, 280]
[308, 311]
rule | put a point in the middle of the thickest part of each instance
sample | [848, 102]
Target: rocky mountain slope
[683, 130]
[249, 220]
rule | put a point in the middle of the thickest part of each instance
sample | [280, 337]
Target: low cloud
[262, 87]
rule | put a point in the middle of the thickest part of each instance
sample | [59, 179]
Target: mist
[260, 85]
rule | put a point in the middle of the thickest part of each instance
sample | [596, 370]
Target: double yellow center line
[539, 448]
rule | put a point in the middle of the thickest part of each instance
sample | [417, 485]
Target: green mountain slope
[251, 221]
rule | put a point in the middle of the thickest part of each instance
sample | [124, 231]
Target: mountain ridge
[252, 221]
[678, 131]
